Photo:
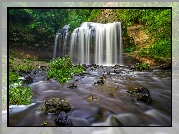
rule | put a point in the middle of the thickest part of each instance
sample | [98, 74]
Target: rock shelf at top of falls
[94, 104]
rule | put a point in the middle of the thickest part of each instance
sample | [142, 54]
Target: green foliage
[20, 96]
[13, 77]
[25, 64]
[62, 69]
[161, 48]
[142, 66]
[156, 23]
[45, 22]
[130, 49]
[129, 16]
[45, 123]
[143, 52]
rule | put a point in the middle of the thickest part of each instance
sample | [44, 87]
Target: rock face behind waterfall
[92, 43]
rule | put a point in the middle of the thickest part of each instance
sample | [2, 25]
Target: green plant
[143, 52]
[130, 49]
[161, 48]
[20, 96]
[45, 123]
[62, 69]
[142, 66]
[13, 77]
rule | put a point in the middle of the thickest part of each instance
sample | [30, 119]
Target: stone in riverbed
[142, 94]
[146, 98]
[28, 80]
[63, 120]
[73, 86]
[55, 106]
[101, 81]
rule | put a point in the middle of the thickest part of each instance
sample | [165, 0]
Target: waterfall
[94, 43]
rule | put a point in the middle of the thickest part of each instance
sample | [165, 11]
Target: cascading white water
[95, 43]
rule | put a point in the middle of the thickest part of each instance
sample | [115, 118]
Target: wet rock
[103, 77]
[116, 71]
[93, 97]
[146, 98]
[28, 80]
[73, 86]
[55, 106]
[84, 65]
[142, 94]
[101, 81]
[166, 67]
[92, 69]
[142, 90]
[63, 120]
[132, 67]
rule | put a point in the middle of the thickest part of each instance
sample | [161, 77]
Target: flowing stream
[92, 103]
[112, 102]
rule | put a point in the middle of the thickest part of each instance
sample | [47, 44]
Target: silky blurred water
[112, 99]
[100, 130]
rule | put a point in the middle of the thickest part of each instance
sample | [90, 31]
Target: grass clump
[62, 69]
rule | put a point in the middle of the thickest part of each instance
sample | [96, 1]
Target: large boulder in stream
[55, 106]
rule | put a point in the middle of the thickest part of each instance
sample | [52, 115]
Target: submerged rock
[63, 120]
[142, 94]
[55, 105]
[73, 86]
[101, 81]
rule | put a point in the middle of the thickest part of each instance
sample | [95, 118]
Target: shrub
[62, 69]
[142, 67]
[20, 96]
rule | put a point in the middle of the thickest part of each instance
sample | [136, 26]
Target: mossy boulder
[55, 106]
